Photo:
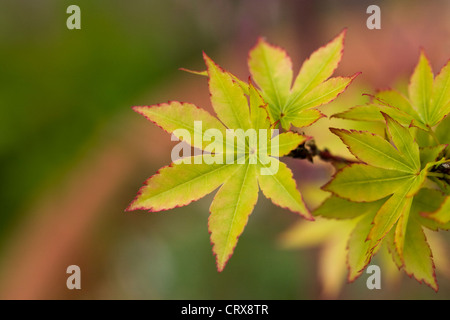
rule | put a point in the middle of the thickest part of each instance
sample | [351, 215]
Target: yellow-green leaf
[337, 208]
[175, 117]
[271, 69]
[396, 206]
[358, 246]
[440, 97]
[404, 142]
[319, 67]
[420, 88]
[281, 188]
[417, 256]
[374, 150]
[227, 98]
[360, 182]
[230, 210]
[371, 112]
[321, 94]
[180, 184]
[302, 118]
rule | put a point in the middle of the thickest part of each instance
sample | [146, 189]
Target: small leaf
[227, 98]
[337, 208]
[395, 99]
[271, 68]
[390, 244]
[319, 67]
[396, 206]
[175, 115]
[360, 182]
[371, 112]
[303, 118]
[259, 115]
[400, 231]
[321, 94]
[357, 257]
[230, 210]
[180, 184]
[404, 142]
[373, 150]
[421, 86]
[281, 189]
[417, 256]
[440, 97]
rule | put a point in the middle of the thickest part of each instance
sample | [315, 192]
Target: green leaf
[180, 184]
[391, 247]
[421, 86]
[440, 97]
[192, 178]
[321, 94]
[259, 114]
[404, 142]
[227, 98]
[395, 99]
[175, 116]
[319, 67]
[271, 69]
[302, 118]
[337, 208]
[360, 182]
[417, 256]
[357, 257]
[400, 231]
[395, 207]
[371, 112]
[230, 210]
[374, 150]
[281, 189]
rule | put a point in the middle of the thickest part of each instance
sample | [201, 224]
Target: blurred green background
[73, 154]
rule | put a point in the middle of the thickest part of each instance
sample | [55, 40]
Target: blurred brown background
[73, 154]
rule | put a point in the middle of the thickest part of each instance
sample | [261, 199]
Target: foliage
[398, 186]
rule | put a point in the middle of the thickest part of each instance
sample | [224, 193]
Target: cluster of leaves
[401, 184]
[276, 101]
[398, 186]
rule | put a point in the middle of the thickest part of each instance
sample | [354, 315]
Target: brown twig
[309, 150]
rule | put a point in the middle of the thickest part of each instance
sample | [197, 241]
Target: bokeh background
[73, 154]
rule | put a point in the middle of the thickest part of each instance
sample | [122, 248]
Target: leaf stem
[308, 150]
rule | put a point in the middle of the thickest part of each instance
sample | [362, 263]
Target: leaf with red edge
[271, 69]
[417, 256]
[254, 163]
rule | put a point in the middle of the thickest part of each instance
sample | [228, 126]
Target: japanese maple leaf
[341, 228]
[392, 172]
[294, 102]
[192, 178]
[426, 104]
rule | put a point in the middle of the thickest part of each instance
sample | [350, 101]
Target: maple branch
[309, 149]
